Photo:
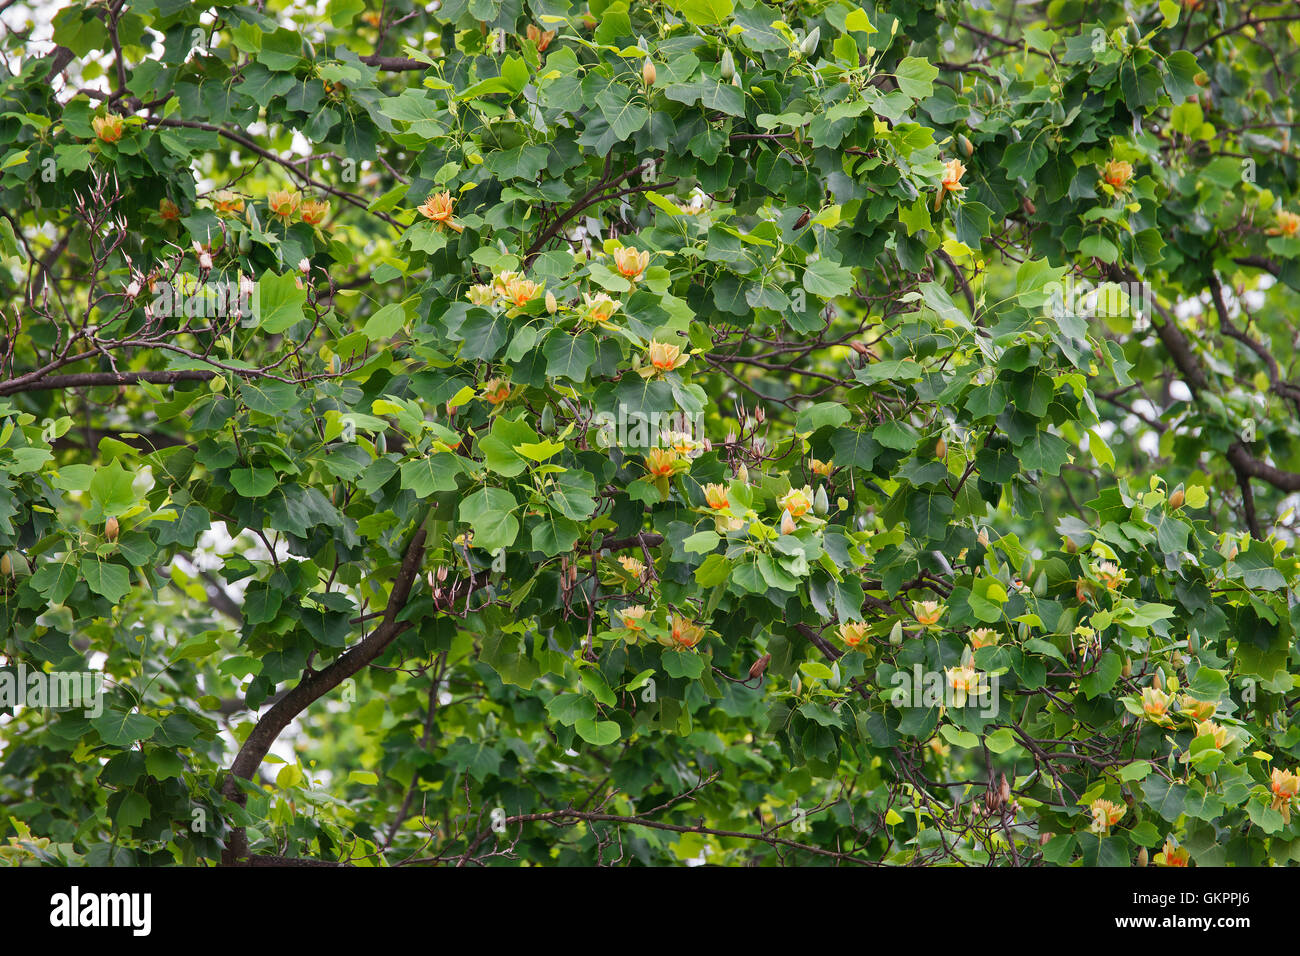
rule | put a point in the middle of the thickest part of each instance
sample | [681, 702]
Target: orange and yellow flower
[1118, 173]
[520, 291]
[661, 462]
[686, 633]
[633, 566]
[496, 390]
[1208, 728]
[683, 444]
[1172, 855]
[598, 309]
[1196, 709]
[226, 202]
[664, 357]
[632, 617]
[953, 171]
[108, 128]
[631, 263]
[169, 210]
[439, 208]
[928, 612]
[963, 680]
[983, 637]
[797, 501]
[541, 38]
[314, 211]
[1284, 784]
[1110, 574]
[481, 294]
[1155, 704]
[284, 203]
[1288, 224]
[715, 496]
[853, 633]
[823, 468]
[1105, 814]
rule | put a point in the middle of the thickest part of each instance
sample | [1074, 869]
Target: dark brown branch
[93, 379]
[318, 684]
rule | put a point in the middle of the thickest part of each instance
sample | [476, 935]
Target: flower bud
[304, 265]
[896, 633]
[941, 449]
[809, 44]
[6, 567]
[111, 529]
[787, 522]
[548, 420]
[965, 145]
[1176, 499]
[551, 304]
[648, 73]
[821, 505]
[728, 65]
[1143, 857]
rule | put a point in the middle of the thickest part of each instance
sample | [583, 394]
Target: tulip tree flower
[1288, 224]
[927, 612]
[1105, 814]
[1172, 855]
[853, 633]
[438, 208]
[1118, 173]
[1284, 784]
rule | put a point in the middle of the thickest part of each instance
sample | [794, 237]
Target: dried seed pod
[759, 666]
[111, 529]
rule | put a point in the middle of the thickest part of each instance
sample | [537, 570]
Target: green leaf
[111, 580]
[384, 323]
[600, 733]
[120, 729]
[489, 512]
[704, 12]
[916, 77]
[278, 302]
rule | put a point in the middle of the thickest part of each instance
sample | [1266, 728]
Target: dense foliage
[506, 431]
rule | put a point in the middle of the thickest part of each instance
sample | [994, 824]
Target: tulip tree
[511, 431]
